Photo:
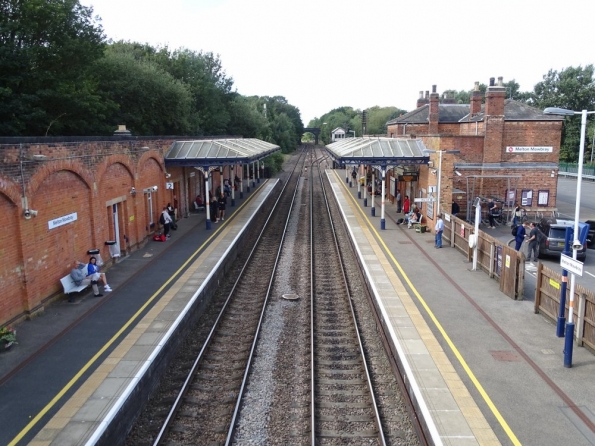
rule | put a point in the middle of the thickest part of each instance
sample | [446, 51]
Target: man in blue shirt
[439, 230]
[520, 236]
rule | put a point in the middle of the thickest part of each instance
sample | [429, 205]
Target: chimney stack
[495, 96]
[433, 116]
[421, 101]
[493, 119]
[476, 98]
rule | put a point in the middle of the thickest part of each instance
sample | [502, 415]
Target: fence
[547, 303]
[571, 170]
[495, 258]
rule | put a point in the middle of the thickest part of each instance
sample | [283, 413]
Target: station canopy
[218, 152]
[379, 151]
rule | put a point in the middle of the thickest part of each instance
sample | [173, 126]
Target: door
[115, 248]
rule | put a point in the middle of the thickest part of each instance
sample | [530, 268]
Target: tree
[149, 100]
[572, 88]
[47, 48]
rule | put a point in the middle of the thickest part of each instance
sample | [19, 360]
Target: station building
[493, 148]
[62, 197]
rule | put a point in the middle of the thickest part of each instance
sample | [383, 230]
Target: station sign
[572, 265]
[529, 149]
[424, 200]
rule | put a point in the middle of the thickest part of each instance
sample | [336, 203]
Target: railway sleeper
[339, 434]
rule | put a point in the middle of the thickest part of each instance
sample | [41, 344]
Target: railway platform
[65, 392]
[490, 371]
[507, 358]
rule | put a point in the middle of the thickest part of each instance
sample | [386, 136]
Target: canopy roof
[381, 151]
[218, 152]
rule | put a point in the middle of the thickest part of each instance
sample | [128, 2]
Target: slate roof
[516, 111]
[513, 111]
[447, 113]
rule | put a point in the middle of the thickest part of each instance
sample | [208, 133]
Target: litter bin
[114, 248]
[95, 253]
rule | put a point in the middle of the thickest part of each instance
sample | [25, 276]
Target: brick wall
[83, 179]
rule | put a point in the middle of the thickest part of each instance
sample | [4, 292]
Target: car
[591, 236]
[553, 244]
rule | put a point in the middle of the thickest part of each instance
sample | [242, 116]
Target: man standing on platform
[520, 236]
[398, 202]
[533, 243]
[439, 230]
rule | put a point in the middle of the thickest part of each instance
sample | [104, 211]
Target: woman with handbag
[517, 214]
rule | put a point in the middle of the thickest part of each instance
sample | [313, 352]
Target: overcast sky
[324, 54]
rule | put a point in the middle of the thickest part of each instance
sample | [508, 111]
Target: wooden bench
[420, 226]
[70, 287]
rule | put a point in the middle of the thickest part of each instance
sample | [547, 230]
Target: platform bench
[70, 287]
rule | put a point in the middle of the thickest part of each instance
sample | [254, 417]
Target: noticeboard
[543, 197]
[527, 197]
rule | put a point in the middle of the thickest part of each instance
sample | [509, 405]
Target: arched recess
[150, 203]
[12, 275]
[116, 209]
[59, 235]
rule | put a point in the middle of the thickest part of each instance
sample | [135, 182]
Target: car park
[553, 244]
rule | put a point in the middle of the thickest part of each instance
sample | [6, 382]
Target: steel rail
[377, 420]
[191, 374]
[232, 427]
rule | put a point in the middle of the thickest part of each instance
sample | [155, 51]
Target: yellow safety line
[107, 345]
[459, 356]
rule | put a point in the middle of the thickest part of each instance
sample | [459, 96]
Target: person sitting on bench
[414, 217]
[94, 274]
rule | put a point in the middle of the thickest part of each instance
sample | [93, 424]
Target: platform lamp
[232, 184]
[576, 245]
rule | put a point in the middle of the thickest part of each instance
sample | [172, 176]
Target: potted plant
[8, 337]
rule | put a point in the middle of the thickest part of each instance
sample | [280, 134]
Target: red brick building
[508, 150]
[80, 195]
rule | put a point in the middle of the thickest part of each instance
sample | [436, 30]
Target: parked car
[553, 244]
[591, 236]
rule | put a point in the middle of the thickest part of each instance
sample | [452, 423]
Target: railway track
[207, 404]
[344, 409]
[283, 363]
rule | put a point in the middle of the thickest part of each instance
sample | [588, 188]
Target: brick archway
[315, 131]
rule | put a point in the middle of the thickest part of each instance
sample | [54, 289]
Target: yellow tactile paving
[475, 420]
[195, 273]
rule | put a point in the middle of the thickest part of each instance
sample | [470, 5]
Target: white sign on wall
[529, 149]
[60, 221]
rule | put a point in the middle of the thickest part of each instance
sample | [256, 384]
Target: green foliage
[59, 77]
[47, 48]
[149, 100]
[572, 88]
[274, 163]
[350, 119]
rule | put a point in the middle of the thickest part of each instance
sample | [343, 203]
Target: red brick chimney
[494, 122]
[434, 112]
[421, 101]
[476, 98]
[495, 96]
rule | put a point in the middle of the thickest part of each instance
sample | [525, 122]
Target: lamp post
[568, 342]
[440, 172]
